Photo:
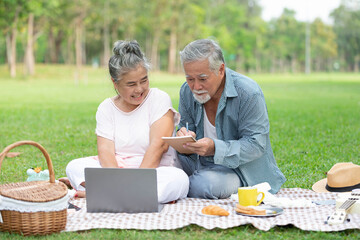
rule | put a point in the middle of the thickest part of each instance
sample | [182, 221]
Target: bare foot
[80, 194]
[66, 181]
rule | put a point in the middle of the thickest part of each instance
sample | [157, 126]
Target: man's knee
[212, 185]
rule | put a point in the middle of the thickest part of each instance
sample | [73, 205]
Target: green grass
[315, 123]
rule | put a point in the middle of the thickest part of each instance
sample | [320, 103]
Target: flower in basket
[35, 174]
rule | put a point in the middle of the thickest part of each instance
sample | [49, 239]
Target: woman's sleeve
[161, 105]
[105, 122]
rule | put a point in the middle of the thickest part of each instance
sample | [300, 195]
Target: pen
[187, 126]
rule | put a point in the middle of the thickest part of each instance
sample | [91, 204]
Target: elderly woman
[129, 127]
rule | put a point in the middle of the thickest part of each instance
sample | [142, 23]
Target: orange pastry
[214, 210]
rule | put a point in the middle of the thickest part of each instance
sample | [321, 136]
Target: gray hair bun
[127, 56]
[122, 48]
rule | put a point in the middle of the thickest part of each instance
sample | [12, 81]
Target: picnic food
[249, 210]
[214, 210]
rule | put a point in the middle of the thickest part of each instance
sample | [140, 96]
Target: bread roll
[215, 210]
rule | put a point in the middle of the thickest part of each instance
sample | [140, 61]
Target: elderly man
[226, 112]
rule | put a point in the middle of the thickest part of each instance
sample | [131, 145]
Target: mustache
[200, 91]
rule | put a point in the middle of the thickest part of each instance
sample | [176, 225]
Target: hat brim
[320, 186]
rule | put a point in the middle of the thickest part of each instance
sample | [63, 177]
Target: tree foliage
[347, 30]
[83, 31]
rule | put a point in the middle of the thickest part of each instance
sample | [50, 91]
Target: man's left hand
[203, 147]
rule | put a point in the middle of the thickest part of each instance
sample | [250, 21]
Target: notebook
[177, 143]
[121, 190]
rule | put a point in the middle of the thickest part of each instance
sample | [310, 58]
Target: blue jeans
[209, 180]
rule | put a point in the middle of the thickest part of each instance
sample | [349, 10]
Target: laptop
[121, 190]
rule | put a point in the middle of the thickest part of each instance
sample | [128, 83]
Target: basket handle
[42, 149]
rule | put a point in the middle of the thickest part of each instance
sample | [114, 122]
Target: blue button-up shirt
[242, 128]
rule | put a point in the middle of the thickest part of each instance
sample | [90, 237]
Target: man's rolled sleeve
[226, 154]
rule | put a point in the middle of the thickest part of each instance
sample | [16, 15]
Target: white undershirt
[209, 129]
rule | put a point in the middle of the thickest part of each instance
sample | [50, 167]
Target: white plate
[210, 216]
[270, 212]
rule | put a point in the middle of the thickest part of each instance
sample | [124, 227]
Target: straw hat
[342, 177]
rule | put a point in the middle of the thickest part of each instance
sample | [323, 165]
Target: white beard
[203, 98]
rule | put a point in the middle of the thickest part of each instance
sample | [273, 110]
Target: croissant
[249, 210]
[214, 210]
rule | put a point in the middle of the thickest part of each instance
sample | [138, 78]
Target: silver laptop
[121, 190]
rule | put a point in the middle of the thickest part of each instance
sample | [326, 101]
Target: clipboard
[177, 143]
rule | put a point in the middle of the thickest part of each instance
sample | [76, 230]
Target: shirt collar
[229, 89]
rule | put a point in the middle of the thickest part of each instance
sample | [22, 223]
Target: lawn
[315, 123]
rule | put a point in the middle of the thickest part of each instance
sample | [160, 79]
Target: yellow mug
[248, 196]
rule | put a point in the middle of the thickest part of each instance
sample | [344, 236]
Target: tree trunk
[356, 63]
[154, 50]
[51, 46]
[329, 65]
[257, 62]
[172, 51]
[58, 41]
[148, 45]
[29, 54]
[106, 33]
[239, 63]
[69, 59]
[114, 34]
[106, 46]
[78, 48]
[11, 46]
[281, 65]
[8, 50]
[83, 44]
[318, 64]
[293, 64]
[273, 65]
[13, 52]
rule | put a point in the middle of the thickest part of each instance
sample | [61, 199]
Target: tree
[157, 22]
[29, 54]
[237, 25]
[82, 31]
[58, 18]
[79, 10]
[323, 45]
[114, 22]
[286, 42]
[35, 11]
[347, 28]
[12, 12]
[176, 25]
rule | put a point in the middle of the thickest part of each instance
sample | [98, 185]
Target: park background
[82, 32]
[53, 75]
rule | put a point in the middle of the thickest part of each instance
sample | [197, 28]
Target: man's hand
[184, 132]
[203, 147]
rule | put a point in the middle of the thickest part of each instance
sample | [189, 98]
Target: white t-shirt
[209, 129]
[130, 131]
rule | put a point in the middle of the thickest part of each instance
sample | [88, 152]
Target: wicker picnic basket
[33, 208]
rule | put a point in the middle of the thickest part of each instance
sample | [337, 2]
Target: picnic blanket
[185, 212]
